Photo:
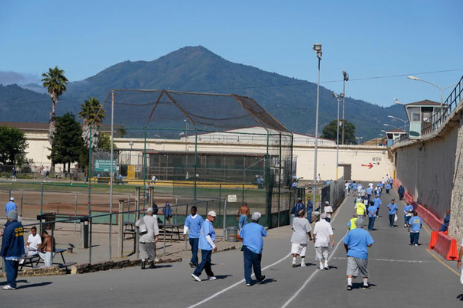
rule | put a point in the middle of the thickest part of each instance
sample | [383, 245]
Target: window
[416, 116]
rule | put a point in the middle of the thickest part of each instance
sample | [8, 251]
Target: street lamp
[131, 145]
[318, 50]
[442, 89]
[395, 118]
[396, 101]
[338, 98]
[359, 139]
[345, 78]
[392, 126]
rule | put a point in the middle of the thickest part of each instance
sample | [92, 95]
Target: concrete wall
[456, 218]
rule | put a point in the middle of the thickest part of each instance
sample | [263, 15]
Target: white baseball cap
[11, 198]
[212, 213]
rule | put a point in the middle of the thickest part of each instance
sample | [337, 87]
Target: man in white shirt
[328, 210]
[149, 232]
[322, 233]
[33, 241]
[301, 230]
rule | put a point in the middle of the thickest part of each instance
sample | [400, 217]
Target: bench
[30, 260]
[170, 230]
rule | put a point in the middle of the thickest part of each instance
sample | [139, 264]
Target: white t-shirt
[323, 231]
[328, 210]
[301, 227]
[34, 241]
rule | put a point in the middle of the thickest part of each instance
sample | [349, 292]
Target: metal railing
[437, 119]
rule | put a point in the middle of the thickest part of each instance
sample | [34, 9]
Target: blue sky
[368, 39]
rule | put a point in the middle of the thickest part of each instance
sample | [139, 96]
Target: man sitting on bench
[33, 242]
[45, 249]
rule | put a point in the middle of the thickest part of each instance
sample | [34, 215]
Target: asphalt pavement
[401, 276]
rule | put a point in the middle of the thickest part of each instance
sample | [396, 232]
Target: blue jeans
[371, 223]
[11, 269]
[414, 236]
[194, 250]
[406, 219]
[243, 220]
[443, 228]
[251, 260]
[205, 264]
[391, 220]
[309, 216]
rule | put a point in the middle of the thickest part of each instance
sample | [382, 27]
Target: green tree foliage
[330, 131]
[67, 141]
[92, 113]
[12, 145]
[55, 82]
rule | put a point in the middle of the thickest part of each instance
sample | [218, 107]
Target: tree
[67, 141]
[329, 131]
[93, 115]
[12, 145]
[55, 82]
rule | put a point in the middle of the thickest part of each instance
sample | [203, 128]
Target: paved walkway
[401, 276]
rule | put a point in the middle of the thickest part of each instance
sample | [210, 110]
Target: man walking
[377, 202]
[193, 224]
[253, 243]
[414, 227]
[408, 210]
[392, 207]
[388, 187]
[322, 234]
[10, 205]
[207, 246]
[149, 232]
[372, 213]
[328, 210]
[360, 208]
[309, 209]
[243, 215]
[356, 243]
[301, 229]
[12, 248]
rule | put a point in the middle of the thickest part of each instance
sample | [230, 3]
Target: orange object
[433, 241]
[453, 251]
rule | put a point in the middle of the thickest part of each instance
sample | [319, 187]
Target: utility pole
[346, 78]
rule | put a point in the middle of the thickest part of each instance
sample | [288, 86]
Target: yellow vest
[352, 223]
[360, 208]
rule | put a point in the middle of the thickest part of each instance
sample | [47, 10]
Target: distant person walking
[309, 209]
[322, 233]
[401, 192]
[167, 212]
[193, 224]
[328, 210]
[357, 242]
[301, 230]
[408, 212]
[253, 243]
[243, 215]
[207, 246]
[372, 213]
[392, 207]
[414, 227]
[10, 205]
[149, 232]
[388, 188]
[14, 173]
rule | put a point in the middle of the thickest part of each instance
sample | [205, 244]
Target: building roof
[396, 130]
[425, 102]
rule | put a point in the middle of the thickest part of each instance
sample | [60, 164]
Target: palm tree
[93, 115]
[55, 82]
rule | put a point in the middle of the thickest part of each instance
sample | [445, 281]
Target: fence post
[120, 242]
[75, 211]
[224, 217]
[22, 197]
[137, 217]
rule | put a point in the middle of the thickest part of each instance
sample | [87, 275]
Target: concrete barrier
[446, 247]
[429, 218]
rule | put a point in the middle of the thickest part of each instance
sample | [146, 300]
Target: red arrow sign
[370, 165]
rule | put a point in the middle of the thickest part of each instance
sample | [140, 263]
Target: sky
[378, 43]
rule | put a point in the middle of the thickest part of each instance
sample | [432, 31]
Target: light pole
[442, 89]
[318, 50]
[346, 78]
[392, 126]
[338, 99]
[131, 145]
[396, 118]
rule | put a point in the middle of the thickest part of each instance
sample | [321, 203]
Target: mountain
[21, 105]
[196, 69]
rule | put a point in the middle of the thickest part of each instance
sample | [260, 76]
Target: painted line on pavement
[389, 260]
[442, 262]
[316, 271]
[234, 285]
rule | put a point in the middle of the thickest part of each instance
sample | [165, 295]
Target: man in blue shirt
[356, 243]
[372, 210]
[388, 188]
[12, 248]
[377, 202]
[392, 207]
[309, 209]
[193, 224]
[414, 227]
[369, 191]
[252, 248]
[298, 206]
[207, 246]
[408, 210]
[10, 205]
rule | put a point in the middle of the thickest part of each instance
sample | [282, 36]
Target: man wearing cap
[392, 207]
[328, 210]
[356, 243]
[298, 206]
[360, 208]
[207, 246]
[193, 224]
[414, 227]
[322, 233]
[12, 248]
[10, 205]
[148, 238]
[301, 229]
[253, 243]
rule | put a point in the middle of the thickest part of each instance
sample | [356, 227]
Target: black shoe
[262, 280]
[349, 287]
[366, 286]
[152, 265]
[192, 265]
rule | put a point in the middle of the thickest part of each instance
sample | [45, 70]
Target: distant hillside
[197, 69]
[20, 105]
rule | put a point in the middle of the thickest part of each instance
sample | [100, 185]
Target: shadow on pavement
[34, 285]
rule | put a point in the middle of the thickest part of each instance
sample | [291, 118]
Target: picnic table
[30, 260]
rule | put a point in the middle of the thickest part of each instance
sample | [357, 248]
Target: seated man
[33, 242]
[47, 249]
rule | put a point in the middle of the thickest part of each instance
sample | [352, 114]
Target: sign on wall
[103, 165]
